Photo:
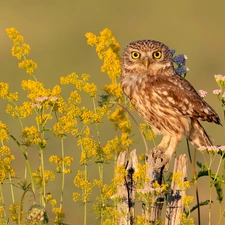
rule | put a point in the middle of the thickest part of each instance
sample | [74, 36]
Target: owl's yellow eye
[157, 55]
[135, 55]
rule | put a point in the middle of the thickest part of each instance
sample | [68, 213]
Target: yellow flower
[89, 149]
[3, 132]
[187, 200]
[48, 176]
[29, 65]
[85, 77]
[14, 211]
[120, 173]
[30, 136]
[42, 119]
[140, 175]
[91, 38]
[35, 89]
[76, 196]
[59, 161]
[65, 124]
[81, 181]
[4, 90]
[183, 185]
[146, 130]
[12, 33]
[186, 220]
[19, 49]
[74, 97]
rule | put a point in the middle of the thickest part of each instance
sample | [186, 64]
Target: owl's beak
[146, 63]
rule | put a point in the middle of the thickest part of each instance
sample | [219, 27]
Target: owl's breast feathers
[166, 97]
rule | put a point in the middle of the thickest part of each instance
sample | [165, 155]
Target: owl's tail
[198, 136]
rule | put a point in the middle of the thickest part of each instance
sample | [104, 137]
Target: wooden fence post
[128, 189]
[175, 198]
[154, 173]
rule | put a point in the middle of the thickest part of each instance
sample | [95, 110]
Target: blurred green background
[55, 31]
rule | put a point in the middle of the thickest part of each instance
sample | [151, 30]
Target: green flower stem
[43, 194]
[2, 201]
[21, 203]
[221, 217]
[20, 121]
[63, 174]
[85, 192]
[210, 188]
[218, 168]
[100, 171]
[11, 188]
[26, 160]
[96, 125]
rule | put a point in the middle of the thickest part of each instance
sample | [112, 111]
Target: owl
[166, 101]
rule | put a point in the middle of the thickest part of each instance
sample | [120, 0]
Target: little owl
[167, 102]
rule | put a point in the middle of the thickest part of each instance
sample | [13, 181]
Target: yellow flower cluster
[59, 215]
[147, 131]
[111, 148]
[88, 116]
[187, 200]
[29, 65]
[185, 220]
[80, 84]
[107, 49]
[49, 199]
[59, 161]
[5, 94]
[48, 176]
[42, 119]
[20, 111]
[4, 90]
[64, 125]
[120, 119]
[81, 181]
[89, 149]
[13, 209]
[182, 185]
[30, 136]
[6, 159]
[140, 175]
[3, 132]
[20, 50]
[120, 173]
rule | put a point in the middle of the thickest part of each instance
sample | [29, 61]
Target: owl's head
[146, 57]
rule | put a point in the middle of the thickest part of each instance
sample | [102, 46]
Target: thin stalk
[26, 160]
[96, 125]
[100, 172]
[210, 190]
[195, 183]
[43, 194]
[221, 217]
[11, 188]
[63, 174]
[217, 171]
[85, 192]
[20, 121]
[21, 203]
[3, 201]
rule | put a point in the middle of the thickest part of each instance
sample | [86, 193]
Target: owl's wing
[178, 93]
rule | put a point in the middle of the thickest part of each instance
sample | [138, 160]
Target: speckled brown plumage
[164, 100]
